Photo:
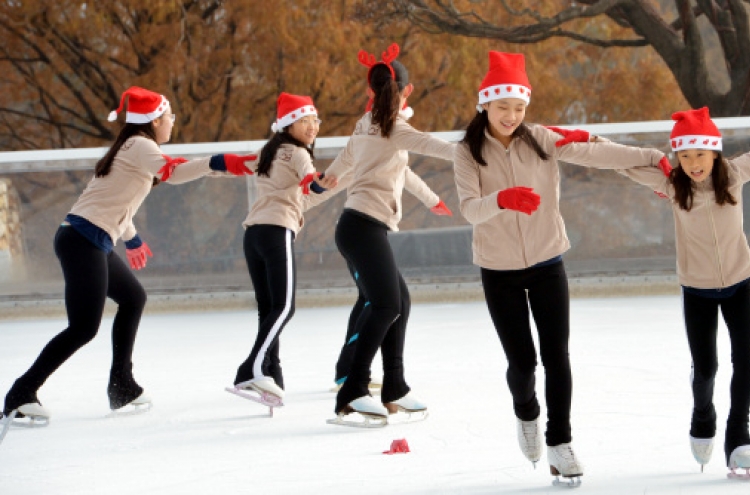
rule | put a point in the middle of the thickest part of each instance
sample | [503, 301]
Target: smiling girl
[508, 183]
[713, 267]
[270, 228]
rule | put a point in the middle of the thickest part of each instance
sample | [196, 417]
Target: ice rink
[631, 410]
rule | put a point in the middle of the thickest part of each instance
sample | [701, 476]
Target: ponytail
[385, 104]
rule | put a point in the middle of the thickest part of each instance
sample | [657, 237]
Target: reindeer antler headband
[388, 56]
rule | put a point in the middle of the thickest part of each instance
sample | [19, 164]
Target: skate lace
[567, 454]
[529, 431]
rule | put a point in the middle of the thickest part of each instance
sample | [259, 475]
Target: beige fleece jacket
[280, 200]
[111, 202]
[377, 166]
[712, 249]
[510, 240]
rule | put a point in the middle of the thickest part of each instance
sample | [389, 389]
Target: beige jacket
[510, 240]
[110, 202]
[377, 167]
[712, 249]
[280, 200]
[412, 183]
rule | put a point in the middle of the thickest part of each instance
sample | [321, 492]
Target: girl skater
[713, 266]
[92, 270]
[376, 156]
[425, 194]
[274, 220]
[504, 167]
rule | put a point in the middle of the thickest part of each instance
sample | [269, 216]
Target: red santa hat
[143, 106]
[290, 108]
[694, 129]
[506, 78]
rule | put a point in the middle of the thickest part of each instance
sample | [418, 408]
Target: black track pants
[509, 295]
[701, 323]
[91, 275]
[269, 252]
[346, 356]
[382, 322]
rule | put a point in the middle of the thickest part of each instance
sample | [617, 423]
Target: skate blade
[363, 420]
[25, 421]
[404, 416]
[567, 481]
[264, 398]
[734, 475]
[6, 422]
[131, 409]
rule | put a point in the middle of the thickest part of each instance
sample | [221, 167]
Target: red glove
[441, 209]
[137, 256]
[236, 163]
[305, 183]
[665, 166]
[575, 136]
[522, 199]
[168, 168]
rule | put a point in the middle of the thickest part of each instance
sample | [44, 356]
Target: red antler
[390, 54]
[366, 59]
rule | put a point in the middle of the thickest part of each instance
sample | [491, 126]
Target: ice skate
[30, 415]
[126, 397]
[530, 439]
[414, 409]
[563, 462]
[364, 412]
[740, 460]
[262, 390]
[22, 408]
[702, 449]
[139, 405]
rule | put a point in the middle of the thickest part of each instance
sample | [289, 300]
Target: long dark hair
[684, 186]
[104, 165]
[268, 152]
[474, 137]
[387, 101]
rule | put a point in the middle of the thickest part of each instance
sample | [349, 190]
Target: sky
[630, 417]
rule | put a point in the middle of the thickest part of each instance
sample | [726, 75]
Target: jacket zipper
[716, 243]
[518, 217]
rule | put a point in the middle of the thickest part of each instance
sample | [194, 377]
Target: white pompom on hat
[506, 78]
[694, 129]
[143, 106]
[290, 108]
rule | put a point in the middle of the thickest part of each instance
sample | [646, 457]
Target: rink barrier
[418, 250]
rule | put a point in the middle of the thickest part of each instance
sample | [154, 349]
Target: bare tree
[679, 42]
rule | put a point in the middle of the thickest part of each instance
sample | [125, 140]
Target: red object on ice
[398, 447]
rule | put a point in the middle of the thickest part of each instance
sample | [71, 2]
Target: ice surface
[631, 410]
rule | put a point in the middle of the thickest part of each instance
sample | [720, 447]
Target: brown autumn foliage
[222, 65]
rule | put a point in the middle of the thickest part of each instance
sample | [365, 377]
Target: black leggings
[346, 356]
[269, 252]
[91, 275]
[509, 295]
[382, 323]
[701, 323]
